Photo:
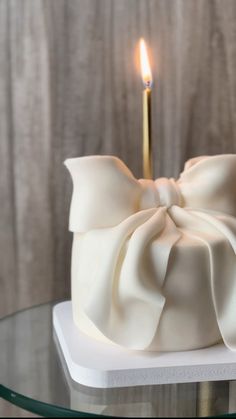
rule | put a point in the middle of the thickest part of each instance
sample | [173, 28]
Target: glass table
[34, 377]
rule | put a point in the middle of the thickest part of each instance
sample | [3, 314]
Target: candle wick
[148, 84]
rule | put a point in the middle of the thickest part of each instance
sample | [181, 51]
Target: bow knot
[162, 192]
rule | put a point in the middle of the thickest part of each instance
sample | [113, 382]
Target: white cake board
[96, 364]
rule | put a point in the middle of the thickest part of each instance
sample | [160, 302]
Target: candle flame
[145, 65]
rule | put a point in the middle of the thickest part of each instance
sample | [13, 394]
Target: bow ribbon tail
[142, 277]
[120, 299]
[202, 226]
[223, 276]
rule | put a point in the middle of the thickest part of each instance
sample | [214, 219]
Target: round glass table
[34, 376]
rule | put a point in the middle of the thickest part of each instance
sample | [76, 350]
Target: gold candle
[147, 138]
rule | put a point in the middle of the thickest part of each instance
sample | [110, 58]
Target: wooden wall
[70, 86]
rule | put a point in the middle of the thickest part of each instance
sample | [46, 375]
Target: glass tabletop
[34, 376]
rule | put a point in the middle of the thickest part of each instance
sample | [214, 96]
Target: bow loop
[209, 182]
[104, 192]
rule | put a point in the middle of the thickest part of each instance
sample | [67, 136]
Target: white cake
[153, 263]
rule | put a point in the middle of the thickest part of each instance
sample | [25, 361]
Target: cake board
[97, 364]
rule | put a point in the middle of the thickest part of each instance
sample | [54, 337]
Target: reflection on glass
[179, 400]
[31, 364]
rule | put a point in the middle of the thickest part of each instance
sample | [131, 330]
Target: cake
[154, 262]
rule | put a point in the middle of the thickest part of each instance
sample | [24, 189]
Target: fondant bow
[106, 192]
[122, 216]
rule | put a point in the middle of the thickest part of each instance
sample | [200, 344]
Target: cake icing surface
[154, 262]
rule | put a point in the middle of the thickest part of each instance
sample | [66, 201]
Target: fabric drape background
[70, 86]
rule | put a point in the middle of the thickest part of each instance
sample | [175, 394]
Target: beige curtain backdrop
[70, 86]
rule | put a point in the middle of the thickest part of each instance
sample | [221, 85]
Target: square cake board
[101, 365]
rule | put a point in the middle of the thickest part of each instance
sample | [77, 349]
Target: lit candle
[147, 81]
